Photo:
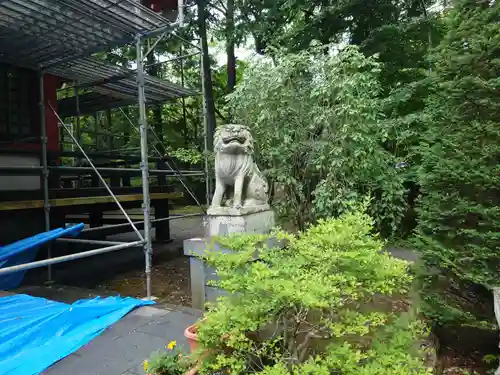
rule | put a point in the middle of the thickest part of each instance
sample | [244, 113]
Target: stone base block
[226, 221]
[202, 275]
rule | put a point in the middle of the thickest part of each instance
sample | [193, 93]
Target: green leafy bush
[330, 302]
[170, 362]
[316, 116]
[459, 210]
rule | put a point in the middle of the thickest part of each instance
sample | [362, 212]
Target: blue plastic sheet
[36, 332]
[24, 251]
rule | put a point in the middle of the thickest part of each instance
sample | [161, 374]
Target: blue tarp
[24, 251]
[36, 332]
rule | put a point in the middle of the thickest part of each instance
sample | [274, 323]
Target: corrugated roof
[116, 86]
[38, 33]
[61, 35]
[90, 103]
[117, 82]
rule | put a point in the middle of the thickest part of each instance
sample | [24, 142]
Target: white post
[180, 17]
[496, 305]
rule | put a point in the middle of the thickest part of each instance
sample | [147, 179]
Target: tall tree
[207, 74]
[459, 210]
[230, 46]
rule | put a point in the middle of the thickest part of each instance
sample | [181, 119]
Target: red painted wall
[161, 5]
[50, 86]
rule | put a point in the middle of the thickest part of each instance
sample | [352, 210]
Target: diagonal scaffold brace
[180, 175]
[94, 168]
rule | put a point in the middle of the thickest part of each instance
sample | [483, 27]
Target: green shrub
[329, 302]
[459, 210]
[317, 120]
[170, 362]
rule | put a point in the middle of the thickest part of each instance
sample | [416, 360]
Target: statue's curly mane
[217, 141]
[224, 130]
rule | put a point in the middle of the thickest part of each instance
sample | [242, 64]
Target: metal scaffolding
[58, 37]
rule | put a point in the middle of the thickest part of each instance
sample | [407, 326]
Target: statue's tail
[260, 185]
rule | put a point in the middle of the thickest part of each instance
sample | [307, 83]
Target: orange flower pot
[192, 337]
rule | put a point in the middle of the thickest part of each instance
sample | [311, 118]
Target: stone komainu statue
[236, 175]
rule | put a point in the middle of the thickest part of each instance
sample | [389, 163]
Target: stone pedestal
[221, 221]
[224, 221]
[202, 275]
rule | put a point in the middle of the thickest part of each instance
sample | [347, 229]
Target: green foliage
[171, 362]
[459, 211]
[316, 118]
[320, 305]
[296, 24]
[458, 172]
[190, 156]
[451, 302]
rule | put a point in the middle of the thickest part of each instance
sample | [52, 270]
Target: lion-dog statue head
[233, 139]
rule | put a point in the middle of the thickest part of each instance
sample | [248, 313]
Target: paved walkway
[122, 348]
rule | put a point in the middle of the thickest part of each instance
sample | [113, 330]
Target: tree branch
[304, 346]
[220, 115]
[221, 7]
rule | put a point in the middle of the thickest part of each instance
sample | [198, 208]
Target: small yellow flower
[171, 345]
[145, 365]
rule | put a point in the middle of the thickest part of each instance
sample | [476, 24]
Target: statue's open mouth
[233, 139]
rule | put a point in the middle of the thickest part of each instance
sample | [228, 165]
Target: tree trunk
[207, 75]
[185, 134]
[231, 57]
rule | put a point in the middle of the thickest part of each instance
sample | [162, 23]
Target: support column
[162, 227]
[143, 125]
[208, 185]
[79, 183]
[78, 125]
[45, 166]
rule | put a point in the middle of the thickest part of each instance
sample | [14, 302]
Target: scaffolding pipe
[124, 170]
[158, 40]
[90, 242]
[45, 167]
[205, 127]
[34, 171]
[124, 225]
[78, 125]
[176, 217]
[159, 30]
[70, 154]
[119, 149]
[186, 41]
[67, 258]
[173, 59]
[143, 126]
[98, 175]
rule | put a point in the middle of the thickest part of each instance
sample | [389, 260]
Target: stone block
[224, 221]
[202, 275]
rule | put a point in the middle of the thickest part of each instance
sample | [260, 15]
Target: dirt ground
[170, 278]
[169, 282]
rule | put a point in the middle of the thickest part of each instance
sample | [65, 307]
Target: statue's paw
[237, 206]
